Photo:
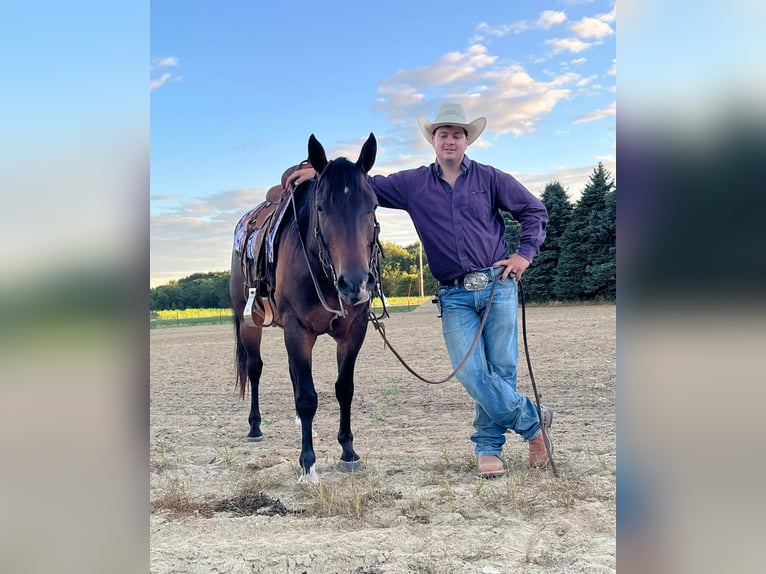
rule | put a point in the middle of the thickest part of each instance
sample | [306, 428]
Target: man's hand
[299, 176]
[515, 265]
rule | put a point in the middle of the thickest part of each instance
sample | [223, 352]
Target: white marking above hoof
[310, 478]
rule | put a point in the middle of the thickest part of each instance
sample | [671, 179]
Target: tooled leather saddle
[255, 241]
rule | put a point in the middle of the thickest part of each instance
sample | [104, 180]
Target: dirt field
[220, 504]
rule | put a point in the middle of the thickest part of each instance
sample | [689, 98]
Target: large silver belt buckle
[476, 281]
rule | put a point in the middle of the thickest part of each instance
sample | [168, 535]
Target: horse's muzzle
[355, 291]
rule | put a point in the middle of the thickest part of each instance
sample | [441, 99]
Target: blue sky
[238, 87]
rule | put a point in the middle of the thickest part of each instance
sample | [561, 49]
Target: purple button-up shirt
[461, 228]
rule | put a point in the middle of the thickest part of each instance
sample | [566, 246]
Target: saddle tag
[248, 312]
[476, 281]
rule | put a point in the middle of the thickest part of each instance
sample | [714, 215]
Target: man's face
[449, 143]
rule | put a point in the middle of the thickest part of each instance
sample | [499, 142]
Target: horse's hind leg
[252, 342]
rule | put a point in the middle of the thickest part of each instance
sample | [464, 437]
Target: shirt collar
[464, 165]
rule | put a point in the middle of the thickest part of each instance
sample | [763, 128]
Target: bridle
[323, 251]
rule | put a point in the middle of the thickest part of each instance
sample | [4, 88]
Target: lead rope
[546, 440]
[381, 329]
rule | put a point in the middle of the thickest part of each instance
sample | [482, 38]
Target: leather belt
[475, 280]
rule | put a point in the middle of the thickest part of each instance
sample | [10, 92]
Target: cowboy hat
[452, 115]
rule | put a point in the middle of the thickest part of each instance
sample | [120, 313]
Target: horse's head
[344, 219]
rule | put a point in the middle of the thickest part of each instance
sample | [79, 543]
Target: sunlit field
[189, 317]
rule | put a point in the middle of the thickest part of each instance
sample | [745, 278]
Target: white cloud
[550, 18]
[578, 61]
[477, 56]
[610, 110]
[581, 83]
[196, 234]
[572, 179]
[568, 45]
[508, 94]
[545, 20]
[154, 84]
[166, 62]
[591, 28]
[609, 16]
[502, 29]
[161, 63]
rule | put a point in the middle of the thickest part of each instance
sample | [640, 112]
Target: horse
[326, 272]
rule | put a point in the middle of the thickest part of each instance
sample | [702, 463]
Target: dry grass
[175, 498]
[347, 495]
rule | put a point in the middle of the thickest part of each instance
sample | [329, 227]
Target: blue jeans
[489, 375]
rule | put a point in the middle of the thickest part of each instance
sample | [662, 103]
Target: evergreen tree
[538, 279]
[512, 231]
[587, 243]
[600, 278]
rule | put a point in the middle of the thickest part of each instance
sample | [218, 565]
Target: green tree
[512, 231]
[587, 243]
[538, 279]
[393, 267]
[430, 285]
[600, 278]
[400, 271]
[206, 290]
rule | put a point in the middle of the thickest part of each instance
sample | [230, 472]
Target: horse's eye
[320, 209]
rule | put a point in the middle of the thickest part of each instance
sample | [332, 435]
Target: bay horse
[326, 271]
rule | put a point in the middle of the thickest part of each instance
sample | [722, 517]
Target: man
[454, 205]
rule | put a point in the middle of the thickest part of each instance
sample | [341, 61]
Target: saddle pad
[248, 243]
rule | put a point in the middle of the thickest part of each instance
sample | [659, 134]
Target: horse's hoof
[258, 438]
[310, 477]
[350, 466]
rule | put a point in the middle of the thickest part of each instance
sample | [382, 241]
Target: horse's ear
[317, 156]
[368, 153]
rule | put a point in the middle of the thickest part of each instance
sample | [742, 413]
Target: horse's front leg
[299, 344]
[347, 353]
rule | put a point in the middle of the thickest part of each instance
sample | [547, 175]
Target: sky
[238, 87]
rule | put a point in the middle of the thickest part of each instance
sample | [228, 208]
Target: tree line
[577, 261]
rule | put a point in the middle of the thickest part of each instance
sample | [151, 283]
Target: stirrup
[262, 308]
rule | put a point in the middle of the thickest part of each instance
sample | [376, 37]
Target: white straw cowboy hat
[452, 115]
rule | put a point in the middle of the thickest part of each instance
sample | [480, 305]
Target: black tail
[241, 359]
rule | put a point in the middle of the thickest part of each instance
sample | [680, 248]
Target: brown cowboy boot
[538, 454]
[490, 466]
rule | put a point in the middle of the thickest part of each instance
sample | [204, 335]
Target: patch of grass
[419, 510]
[264, 462]
[520, 491]
[392, 391]
[176, 499]
[226, 455]
[380, 415]
[352, 496]
[164, 456]
[462, 463]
